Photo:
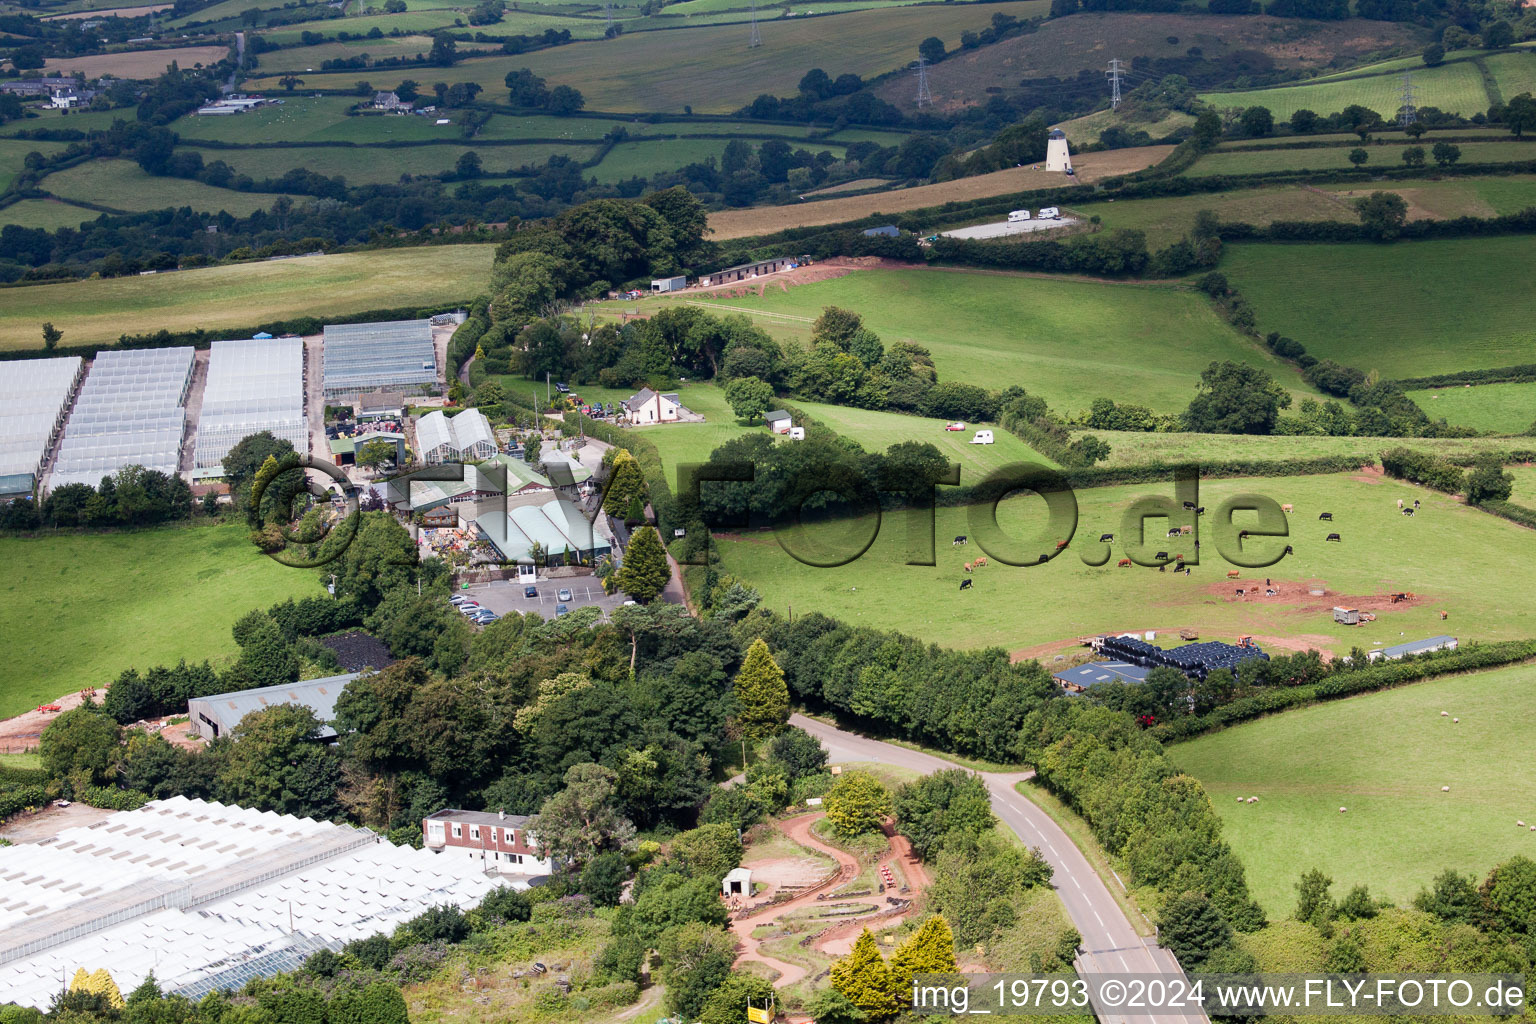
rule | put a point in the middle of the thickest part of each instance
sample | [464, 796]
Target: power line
[1408, 113]
[756, 38]
[924, 94]
[1113, 74]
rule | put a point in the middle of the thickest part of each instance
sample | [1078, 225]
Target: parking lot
[507, 596]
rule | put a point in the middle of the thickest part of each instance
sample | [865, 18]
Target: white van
[982, 437]
[1018, 215]
[1050, 213]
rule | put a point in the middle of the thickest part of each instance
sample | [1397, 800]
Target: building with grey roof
[1434, 643]
[394, 356]
[217, 715]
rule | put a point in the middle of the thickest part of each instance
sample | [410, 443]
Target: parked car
[954, 426]
[564, 594]
[530, 591]
[564, 389]
[459, 599]
[560, 610]
[470, 608]
[484, 615]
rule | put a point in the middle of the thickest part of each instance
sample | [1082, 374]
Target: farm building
[552, 527]
[344, 449]
[1194, 660]
[218, 714]
[394, 356]
[380, 405]
[669, 284]
[233, 104]
[646, 406]
[252, 386]
[34, 400]
[884, 231]
[465, 437]
[1076, 680]
[778, 421]
[477, 484]
[1434, 643]
[131, 411]
[388, 101]
[490, 840]
[207, 896]
[747, 271]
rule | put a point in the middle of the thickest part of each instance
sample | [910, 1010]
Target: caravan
[1018, 215]
[1051, 213]
[982, 437]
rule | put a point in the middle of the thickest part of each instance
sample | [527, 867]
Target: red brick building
[501, 841]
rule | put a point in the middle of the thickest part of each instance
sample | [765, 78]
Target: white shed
[737, 882]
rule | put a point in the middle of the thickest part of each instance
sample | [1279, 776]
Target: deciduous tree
[857, 803]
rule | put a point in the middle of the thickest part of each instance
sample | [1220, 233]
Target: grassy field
[1382, 155]
[80, 609]
[1457, 559]
[364, 166]
[745, 223]
[1506, 408]
[13, 154]
[48, 214]
[80, 120]
[711, 68]
[1525, 485]
[123, 185]
[1131, 448]
[1070, 341]
[242, 295]
[1515, 73]
[1088, 127]
[877, 431]
[1456, 88]
[1384, 756]
[1334, 300]
[1456, 197]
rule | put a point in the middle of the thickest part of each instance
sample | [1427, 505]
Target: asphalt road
[1110, 944]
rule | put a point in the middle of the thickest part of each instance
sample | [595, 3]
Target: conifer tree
[761, 693]
[645, 571]
[929, 950]
[863, 977]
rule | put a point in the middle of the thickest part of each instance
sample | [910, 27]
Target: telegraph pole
[1113, 74]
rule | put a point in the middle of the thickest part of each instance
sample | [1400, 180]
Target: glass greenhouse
[252, 386]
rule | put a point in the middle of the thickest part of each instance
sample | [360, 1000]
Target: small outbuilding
[747, 271]
[1394, 653]
[884, 231]
[778, 421]
[668, 284]
[1348, 616]
[737, 882]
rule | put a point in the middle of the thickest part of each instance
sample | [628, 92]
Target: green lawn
[123, 185]
[1506, 408]
[1385, 757]
[1381, 155]
[78, 610]
[13, 154]
[1466, 562]
[1525, 485]
[1070, 341]
[1456, 88]
[1130, 448]
[362, 165]
[242, 295]
[1408, 309]
[710, 68]
[877, 431]
[48, 214]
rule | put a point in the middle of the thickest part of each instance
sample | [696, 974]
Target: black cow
[1106, 536]
[966, 584]
[1189, 505]
[1326, 516]
[1200, 511]
[1407, 511]
[962, 539]
[1415, 502]
[1290, 550]
[1162, 556]
[1332, 536]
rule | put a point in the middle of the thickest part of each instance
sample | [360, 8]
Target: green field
[711, 69]
[79, 610]
[80, 120]
[1169, 219]
[13, 155]
[1133, 448]
[1456, 88]
[48, 214]
[1381, 155]
[123, 185]
[361, 165]
[877, 431]
[1466, 562]
[242, 295]
[1525, 485]
[1405, 309]
[1515, 73]
[1070, 341]
[1505, 408]
[1385, 757]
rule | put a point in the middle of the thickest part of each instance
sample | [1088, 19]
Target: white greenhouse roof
[554, 526]
[206, 896]
[34, 397]
[253, 385]
[394, 356]
[130, 411]
[446, 436]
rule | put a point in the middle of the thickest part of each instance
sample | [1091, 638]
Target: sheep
[1445, 714]
[1445, 789]
[1253, 799]
[1455, 719]
[1519, 824]
[1343, 809]
[1239, 799]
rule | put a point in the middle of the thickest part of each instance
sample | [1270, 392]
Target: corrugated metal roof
[319, 695]
[1417, 646]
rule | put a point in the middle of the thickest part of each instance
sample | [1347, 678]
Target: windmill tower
[924, 93]
[756, 38]
[1056, 156]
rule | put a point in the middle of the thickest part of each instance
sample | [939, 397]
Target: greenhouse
[467, 437]
[394, 356]
[34, 400]
[131, 411]
[207, 896]
[252, 386]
